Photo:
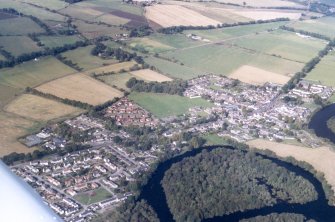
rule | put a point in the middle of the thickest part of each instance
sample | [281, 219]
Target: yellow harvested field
[322, 159]
[13, 127]
[257, 76]
[176, 15]
[112, 68]
[149, 75]
[258, 14]
[82, 88]
[38, 108]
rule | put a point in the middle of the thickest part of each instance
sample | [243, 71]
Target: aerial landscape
[170, 110]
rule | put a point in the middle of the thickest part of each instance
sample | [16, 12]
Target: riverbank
[322, 159]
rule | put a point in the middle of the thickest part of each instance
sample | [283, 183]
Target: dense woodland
[275, 217]
[225, 181]
[131, 211]
[176, 87]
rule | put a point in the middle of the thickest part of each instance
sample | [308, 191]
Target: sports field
[58, 41]
[324, 71]
[322, 159]
[150, 75]
[19, 26]
[324, 26]
[18, 45]
[164, 105]
[93, 196]
[38, 108]
[34, 73]
[176, 15]
[83, 58]
[80, 87]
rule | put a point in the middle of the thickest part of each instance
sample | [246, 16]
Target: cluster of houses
[126, 113]
[306, 89]
[46, 138]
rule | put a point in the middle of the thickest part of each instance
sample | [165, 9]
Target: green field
[282, 43]
[51, 4]
[173, 69]
[94, 196]
[58, 41]
[214, 139]
[34, 73]
[164, 105]
[324, 71]
[324, 26]
[18, 45]
[175, 41]
[19, 26]
[119, 80]
[149, 45]
[227, 33]
[224, 59]
[82, 56]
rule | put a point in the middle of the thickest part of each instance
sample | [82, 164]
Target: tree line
[303, 32]
[179, 29]
[308, 67]
[176, 87]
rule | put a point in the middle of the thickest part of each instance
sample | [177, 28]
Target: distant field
[119, 80]
[150, 75]
[237, 31]
[324, 71]
[112, 19]
[12, 127]
[18, 45]
[284, 44]
[164, 105]
[34, 73]
[256, 76]
[117, 67]
[224, 59]
[7, 93]
[51, 4]
[264, 14]
[149, 45]
[174, 41]
[175, 15]
[93, 196]
[82, 88]
[82, 56]
[173, 69]
[38, 108]
[58, 41]
[82, 12]
[263, 3]
[324, 26]
[322, 159]
[19, 26]
[213, 139]
[91, 31]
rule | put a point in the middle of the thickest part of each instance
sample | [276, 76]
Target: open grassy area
[80, 87]
[57, 41]
[18, 45]
[214, 139]
[324, 71]
[19, 26]
[149, 45]
[119, 80]
[173, 69]
[227, 33]
[93, 196]
[164, 105]
[82, 56]
[34, 73]
[12, 127]
[41, 109]
[51, 4]
[224, 59]
[282, 43]
[324, 26]
[117, 67]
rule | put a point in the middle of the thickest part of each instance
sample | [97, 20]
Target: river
[318, 210]
[319, 123]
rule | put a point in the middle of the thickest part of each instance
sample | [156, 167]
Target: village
[240, 111]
